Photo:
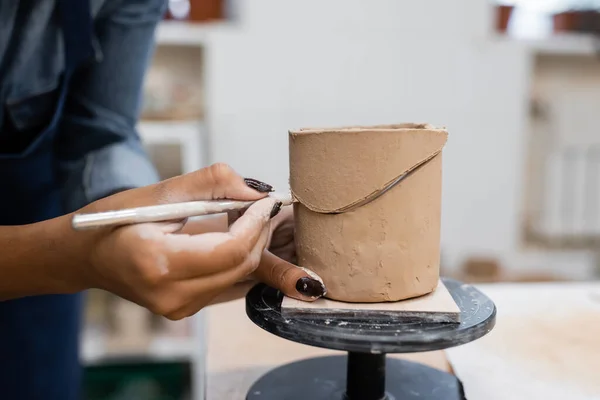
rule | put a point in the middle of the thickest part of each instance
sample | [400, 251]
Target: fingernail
[258, 185]
[276, 209]
[310, 287]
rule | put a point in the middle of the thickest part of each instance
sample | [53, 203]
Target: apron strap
[77, 26]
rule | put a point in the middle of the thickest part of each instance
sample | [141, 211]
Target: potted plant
[566, 21]
[583, 18]
[589, 18]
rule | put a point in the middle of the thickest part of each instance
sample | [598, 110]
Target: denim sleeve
[98, 147]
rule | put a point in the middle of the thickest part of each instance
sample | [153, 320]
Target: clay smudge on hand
[162, 263]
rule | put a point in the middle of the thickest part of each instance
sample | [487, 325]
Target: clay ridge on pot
[333, 176]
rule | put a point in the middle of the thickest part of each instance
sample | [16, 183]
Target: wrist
[66, 255]
[41, 258]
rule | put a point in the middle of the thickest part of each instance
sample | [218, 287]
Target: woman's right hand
[171, 273]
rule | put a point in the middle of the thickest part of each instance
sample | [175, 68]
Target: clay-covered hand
[172, 273]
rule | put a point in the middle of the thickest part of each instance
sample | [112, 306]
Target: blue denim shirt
[98, 148]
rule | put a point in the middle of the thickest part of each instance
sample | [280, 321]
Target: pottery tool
[165, 212]
[437, 306]
[365, 372]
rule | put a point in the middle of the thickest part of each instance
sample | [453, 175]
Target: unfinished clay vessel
[389, 248]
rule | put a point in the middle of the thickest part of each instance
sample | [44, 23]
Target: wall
[290, 64]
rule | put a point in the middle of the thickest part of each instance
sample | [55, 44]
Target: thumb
[299, 283]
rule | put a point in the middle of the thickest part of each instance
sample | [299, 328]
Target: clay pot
[567, 21]
[389, 248]
[589, 22]
[503, 14]
[197, 10]
[207, 10]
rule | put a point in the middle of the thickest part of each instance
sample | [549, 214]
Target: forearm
[41, 258]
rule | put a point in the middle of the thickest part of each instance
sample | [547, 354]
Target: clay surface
[385, 250]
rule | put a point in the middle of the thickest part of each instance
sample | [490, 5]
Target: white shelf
[176, 33]
[161, 349]
[189, 135]
[567, 45]
[170, 132]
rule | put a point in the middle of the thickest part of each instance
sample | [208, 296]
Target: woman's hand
[169, 272]
[276, 267]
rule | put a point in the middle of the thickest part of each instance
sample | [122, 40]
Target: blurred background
[517, 84]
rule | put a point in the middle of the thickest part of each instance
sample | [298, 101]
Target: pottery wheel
[365, 374]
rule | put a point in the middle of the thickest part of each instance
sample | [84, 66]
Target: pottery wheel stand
[365, 373]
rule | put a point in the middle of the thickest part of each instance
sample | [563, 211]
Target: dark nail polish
[276, 209]
[310, 287]
[258, 185]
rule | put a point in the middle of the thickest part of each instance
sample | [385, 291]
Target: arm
[153, 265]
[37, 261]
[99, 149]
[98, 145]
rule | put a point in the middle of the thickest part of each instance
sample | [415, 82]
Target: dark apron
[39, 336]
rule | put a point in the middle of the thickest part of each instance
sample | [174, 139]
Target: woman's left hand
[277, 266]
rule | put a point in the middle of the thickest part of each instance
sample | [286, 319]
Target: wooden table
[546, 345]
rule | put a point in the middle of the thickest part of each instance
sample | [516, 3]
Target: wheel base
[324, 378]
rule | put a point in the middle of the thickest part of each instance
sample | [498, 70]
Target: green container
[138, 380]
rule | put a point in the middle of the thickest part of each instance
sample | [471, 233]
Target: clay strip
[373, 195]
